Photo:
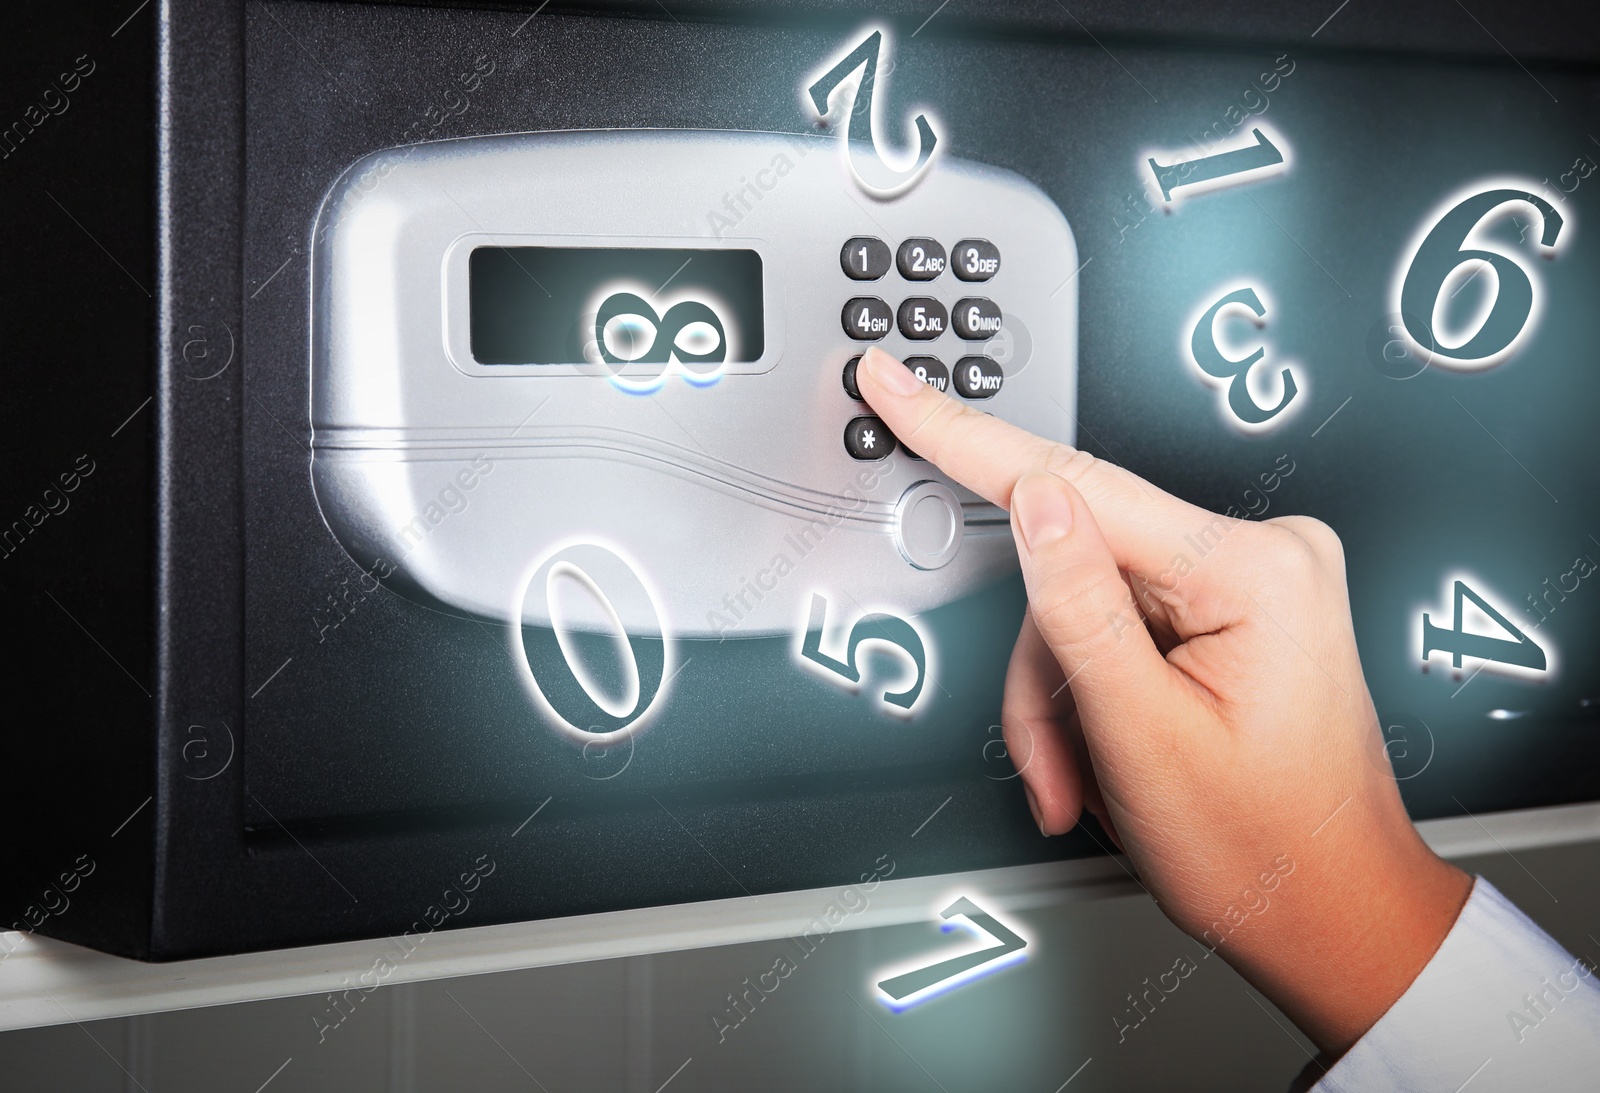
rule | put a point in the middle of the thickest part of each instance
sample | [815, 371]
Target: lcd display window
[615, 306]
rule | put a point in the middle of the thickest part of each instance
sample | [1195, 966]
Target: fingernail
[1033, 807]
[890, 372]
[1043, 510]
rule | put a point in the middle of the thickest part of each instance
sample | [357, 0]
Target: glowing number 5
[1443, 251]
[876, 627]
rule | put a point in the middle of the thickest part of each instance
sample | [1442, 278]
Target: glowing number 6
[547, 657]
[1442, 251]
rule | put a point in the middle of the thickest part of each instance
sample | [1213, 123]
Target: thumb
[1083, 609]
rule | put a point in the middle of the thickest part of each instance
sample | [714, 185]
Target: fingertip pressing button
[850, 387]
[928, 525]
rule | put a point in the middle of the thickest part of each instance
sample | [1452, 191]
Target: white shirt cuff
[1500, 1006]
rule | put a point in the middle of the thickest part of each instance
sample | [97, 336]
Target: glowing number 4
[890, 629]
[1458, 643]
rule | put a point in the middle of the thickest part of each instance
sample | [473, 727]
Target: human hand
[1193, 681]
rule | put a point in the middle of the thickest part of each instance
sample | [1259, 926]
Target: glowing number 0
[560, 683]
[1443, 250]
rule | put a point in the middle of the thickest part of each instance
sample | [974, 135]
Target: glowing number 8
[547, 658]
[1442, 251]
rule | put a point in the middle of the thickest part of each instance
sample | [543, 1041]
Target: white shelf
[46, 982]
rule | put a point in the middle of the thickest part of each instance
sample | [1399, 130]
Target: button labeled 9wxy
[977, 377]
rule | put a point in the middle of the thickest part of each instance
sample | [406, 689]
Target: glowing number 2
[876, 627]
[556, 677]
[1458, 643]
[1443, 250]
[873, 174]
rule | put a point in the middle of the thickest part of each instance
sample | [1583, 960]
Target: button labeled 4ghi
[922, 318]
[867, 318]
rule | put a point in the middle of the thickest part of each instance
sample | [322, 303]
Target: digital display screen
[616, 306]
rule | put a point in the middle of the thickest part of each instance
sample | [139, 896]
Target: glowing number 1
[1458, 643]
[1253, 157]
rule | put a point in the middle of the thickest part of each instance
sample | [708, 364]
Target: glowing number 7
[915, 985]
[884, 179]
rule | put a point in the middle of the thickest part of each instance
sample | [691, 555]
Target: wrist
[1351, 931]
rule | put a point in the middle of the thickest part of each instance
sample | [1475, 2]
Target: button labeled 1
[865, 258]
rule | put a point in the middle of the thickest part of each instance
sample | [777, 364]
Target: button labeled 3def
[976, 260]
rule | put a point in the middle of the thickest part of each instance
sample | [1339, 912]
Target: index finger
[1143, 525]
